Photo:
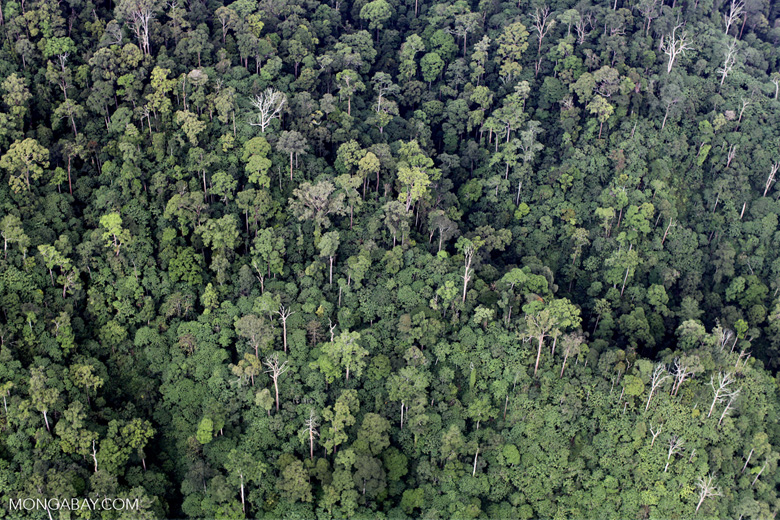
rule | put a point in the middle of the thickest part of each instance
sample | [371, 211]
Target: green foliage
[497, 283]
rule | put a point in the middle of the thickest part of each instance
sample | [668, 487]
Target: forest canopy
[391, 259]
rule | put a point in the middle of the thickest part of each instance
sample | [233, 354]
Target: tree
[602, 109]
[255, 330]
[341, 416]
[729, 61]
[13, 233]
[542, 25]
[407, 385]
[315, 202]
[377, 12]
[349, 83]
[438, 221]
[84, 376]
[43, 396]
[572, 346]
[228, 19]
[736, 8]
[24, 161]
[658, 378]
[675, 44]
[329, 244]
[284, 314]
[467, 248]
[344, 351]
[275, 370]
[706, 489]
[415, 173]
[255, 155]
[241, 465]
[294, 483]
[269, 105]
[538, 324]
[115, 236]
[675, 446]
[512, 43]
[292, 143]
[721, 390]
[139, 15]
[310, 431]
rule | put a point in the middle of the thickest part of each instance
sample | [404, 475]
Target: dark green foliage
[391, 260]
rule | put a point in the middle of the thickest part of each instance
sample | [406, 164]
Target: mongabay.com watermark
[74, 504]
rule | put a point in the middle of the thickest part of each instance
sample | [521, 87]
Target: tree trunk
[243, 505]
[538, 354]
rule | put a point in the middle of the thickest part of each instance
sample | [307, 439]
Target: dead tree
[706, 489]
[729, 61]
[582, 26]
[283, 315]
[675, 44]
[728, 406]
[771, 179]
[730, 157]
[736, 9]
[681, 372]
[542, 25]
[275, 370]
[269, 106]
[748, 460]
[311, 431]
[721, 389]
[659, 376]
[655, 433]
[675, 447]
[468, 256]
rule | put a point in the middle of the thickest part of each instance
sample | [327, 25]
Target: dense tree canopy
[460, 259]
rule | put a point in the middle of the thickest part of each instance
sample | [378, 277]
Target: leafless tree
[94, 455]
[732, 397]
[474, 472]
[138, 14]
[771, 179]
[724, 336]
[284, 313]
[468, 256]
[571, 346]
[731, 154]
[736, 9]
[745, 103]
[729, 61]
[748, 460]
[655, 433]
[675, 44]
[675, 447]
[659, 376]
[311, 431]
[721, 389]
[542, 25]
[706, 489]
[275, 370]
[582, 26]
[681, 372]
[269, 106]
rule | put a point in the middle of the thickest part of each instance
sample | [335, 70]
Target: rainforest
[390, 259]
